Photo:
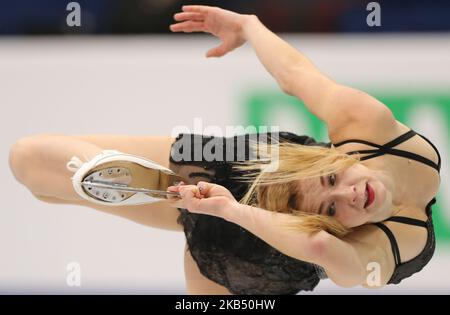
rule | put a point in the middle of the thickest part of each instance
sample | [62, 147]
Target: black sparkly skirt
[225, 252]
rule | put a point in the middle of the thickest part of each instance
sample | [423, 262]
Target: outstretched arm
[345, 110]
[345, 261]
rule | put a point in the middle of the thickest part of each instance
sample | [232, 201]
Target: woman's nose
[348, 193]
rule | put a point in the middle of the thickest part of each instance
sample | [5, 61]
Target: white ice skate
[114, 178]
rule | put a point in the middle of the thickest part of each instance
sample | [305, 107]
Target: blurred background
[122, 72]
[29, 17]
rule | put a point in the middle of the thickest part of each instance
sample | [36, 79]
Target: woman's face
[355, 196]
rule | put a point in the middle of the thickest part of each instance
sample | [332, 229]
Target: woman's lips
[370, 196]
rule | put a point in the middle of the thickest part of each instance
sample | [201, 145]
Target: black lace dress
[225, 252]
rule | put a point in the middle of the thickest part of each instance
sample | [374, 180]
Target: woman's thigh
[198, 284]
[39, 163]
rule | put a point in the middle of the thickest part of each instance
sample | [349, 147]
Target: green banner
[418, 110]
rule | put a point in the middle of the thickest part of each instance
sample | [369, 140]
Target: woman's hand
[204, 198]
[226, 25]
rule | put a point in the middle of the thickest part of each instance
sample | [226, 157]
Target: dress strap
[409, 221]
[390, 235]
[435, 149]
[411, 133]
[388, 148]
[394, 245]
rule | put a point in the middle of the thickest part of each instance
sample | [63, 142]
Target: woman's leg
[198, 284]
[39, 162]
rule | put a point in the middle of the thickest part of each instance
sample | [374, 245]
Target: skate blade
[117, 181]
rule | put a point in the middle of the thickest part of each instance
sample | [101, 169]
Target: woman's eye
[332, 210]
[332, 179]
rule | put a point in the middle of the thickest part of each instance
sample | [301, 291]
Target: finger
[173, 188]
[196, 8]
[218, 51]
[193, 16]
[188, 191]
[187, 194]
[196, 193]
[205, 188]
[187, 27]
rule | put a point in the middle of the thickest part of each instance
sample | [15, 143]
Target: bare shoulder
[363, 117]
[411, 239]
[374, 251]
[380, 129]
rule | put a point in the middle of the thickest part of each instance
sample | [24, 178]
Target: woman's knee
[21, 152]
[42, 159]
[22, 155]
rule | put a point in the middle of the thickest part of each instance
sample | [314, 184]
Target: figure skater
[345, 210]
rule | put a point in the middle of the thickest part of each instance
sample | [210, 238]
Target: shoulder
[411, 239]
[360, 115]
[350, 105]
[360, 258]
[380, 128]
[374, 251]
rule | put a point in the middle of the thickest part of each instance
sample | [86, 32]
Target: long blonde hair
[277, 190]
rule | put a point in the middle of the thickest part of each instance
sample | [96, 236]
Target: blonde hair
[277, 190]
